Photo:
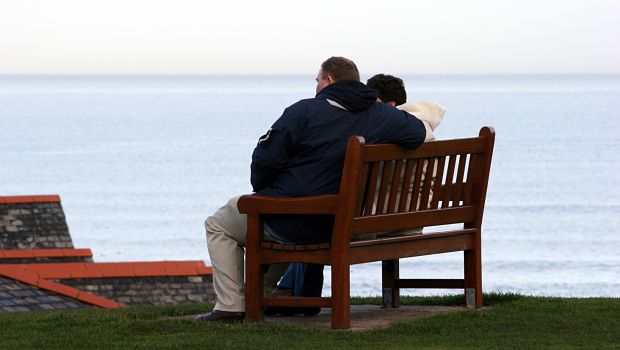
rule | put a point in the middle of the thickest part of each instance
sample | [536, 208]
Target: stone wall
[33, 222]
[158, 290]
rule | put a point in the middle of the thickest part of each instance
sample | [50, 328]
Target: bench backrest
[387, 188]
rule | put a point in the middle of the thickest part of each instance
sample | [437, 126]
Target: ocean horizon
[141, 160]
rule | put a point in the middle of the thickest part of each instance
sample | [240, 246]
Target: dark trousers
[304, 279]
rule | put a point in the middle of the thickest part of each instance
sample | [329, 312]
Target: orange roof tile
[18, 254]
[122, 269]
[81, 252]
[144, 271]
[25, 277]
[99, 301]
[53, 271]
[45, 253]
[117, 269]
[58, 288]
[54, 198]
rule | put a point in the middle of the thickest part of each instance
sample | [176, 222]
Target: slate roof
[18, 296]
[31, 279]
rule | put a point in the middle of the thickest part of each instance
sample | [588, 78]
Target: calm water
[139, 163]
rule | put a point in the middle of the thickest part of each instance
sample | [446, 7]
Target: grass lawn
[513, 322]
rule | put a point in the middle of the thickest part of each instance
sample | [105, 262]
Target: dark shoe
[309, 311]
[270, 311]
[221, 316]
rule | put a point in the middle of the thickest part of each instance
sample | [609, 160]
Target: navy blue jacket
[303, 153]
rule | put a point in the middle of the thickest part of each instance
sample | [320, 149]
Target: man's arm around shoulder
[412, 132]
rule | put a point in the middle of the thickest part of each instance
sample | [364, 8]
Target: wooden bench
[383, 188]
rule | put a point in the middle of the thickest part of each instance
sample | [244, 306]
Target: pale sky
[273, 36]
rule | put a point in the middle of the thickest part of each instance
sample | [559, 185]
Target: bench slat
[469, 185]
[298, 247]
[445, 200]
[417, 183]
[428, 168]
[441, 161]
[320, 256]
[375, 153]
[370, 196]
[359, 210]
[458, 188]
[404, 221]
[364, 253]
[386, 179]
[395, 186]
[407, 238]
[407, 186]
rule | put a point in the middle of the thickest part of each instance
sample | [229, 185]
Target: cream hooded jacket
[430, 113]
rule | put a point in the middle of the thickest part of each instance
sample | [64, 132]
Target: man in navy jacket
[303, 154]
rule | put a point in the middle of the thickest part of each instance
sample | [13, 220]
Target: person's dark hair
[340, 68]
[389, 88]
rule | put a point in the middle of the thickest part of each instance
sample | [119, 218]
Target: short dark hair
[340, 68]
[389, 88]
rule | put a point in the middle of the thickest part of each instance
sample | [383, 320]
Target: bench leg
[390, 290]
[253, 273]
[341, 308]
[473, 278]
[253, 293]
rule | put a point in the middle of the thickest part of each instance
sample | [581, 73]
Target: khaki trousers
[226, 237]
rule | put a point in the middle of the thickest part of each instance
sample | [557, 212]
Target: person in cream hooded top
[430, 113]
[391, 91]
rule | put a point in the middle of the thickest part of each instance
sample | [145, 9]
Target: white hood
[430, 113]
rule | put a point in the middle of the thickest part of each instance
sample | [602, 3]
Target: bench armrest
[257, 204]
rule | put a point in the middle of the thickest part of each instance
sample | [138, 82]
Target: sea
[140, 161]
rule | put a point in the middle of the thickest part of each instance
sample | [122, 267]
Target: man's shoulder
[297, 113]
[307, 102]
[305, 105]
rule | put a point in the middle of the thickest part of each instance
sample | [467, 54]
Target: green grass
[513, 322]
